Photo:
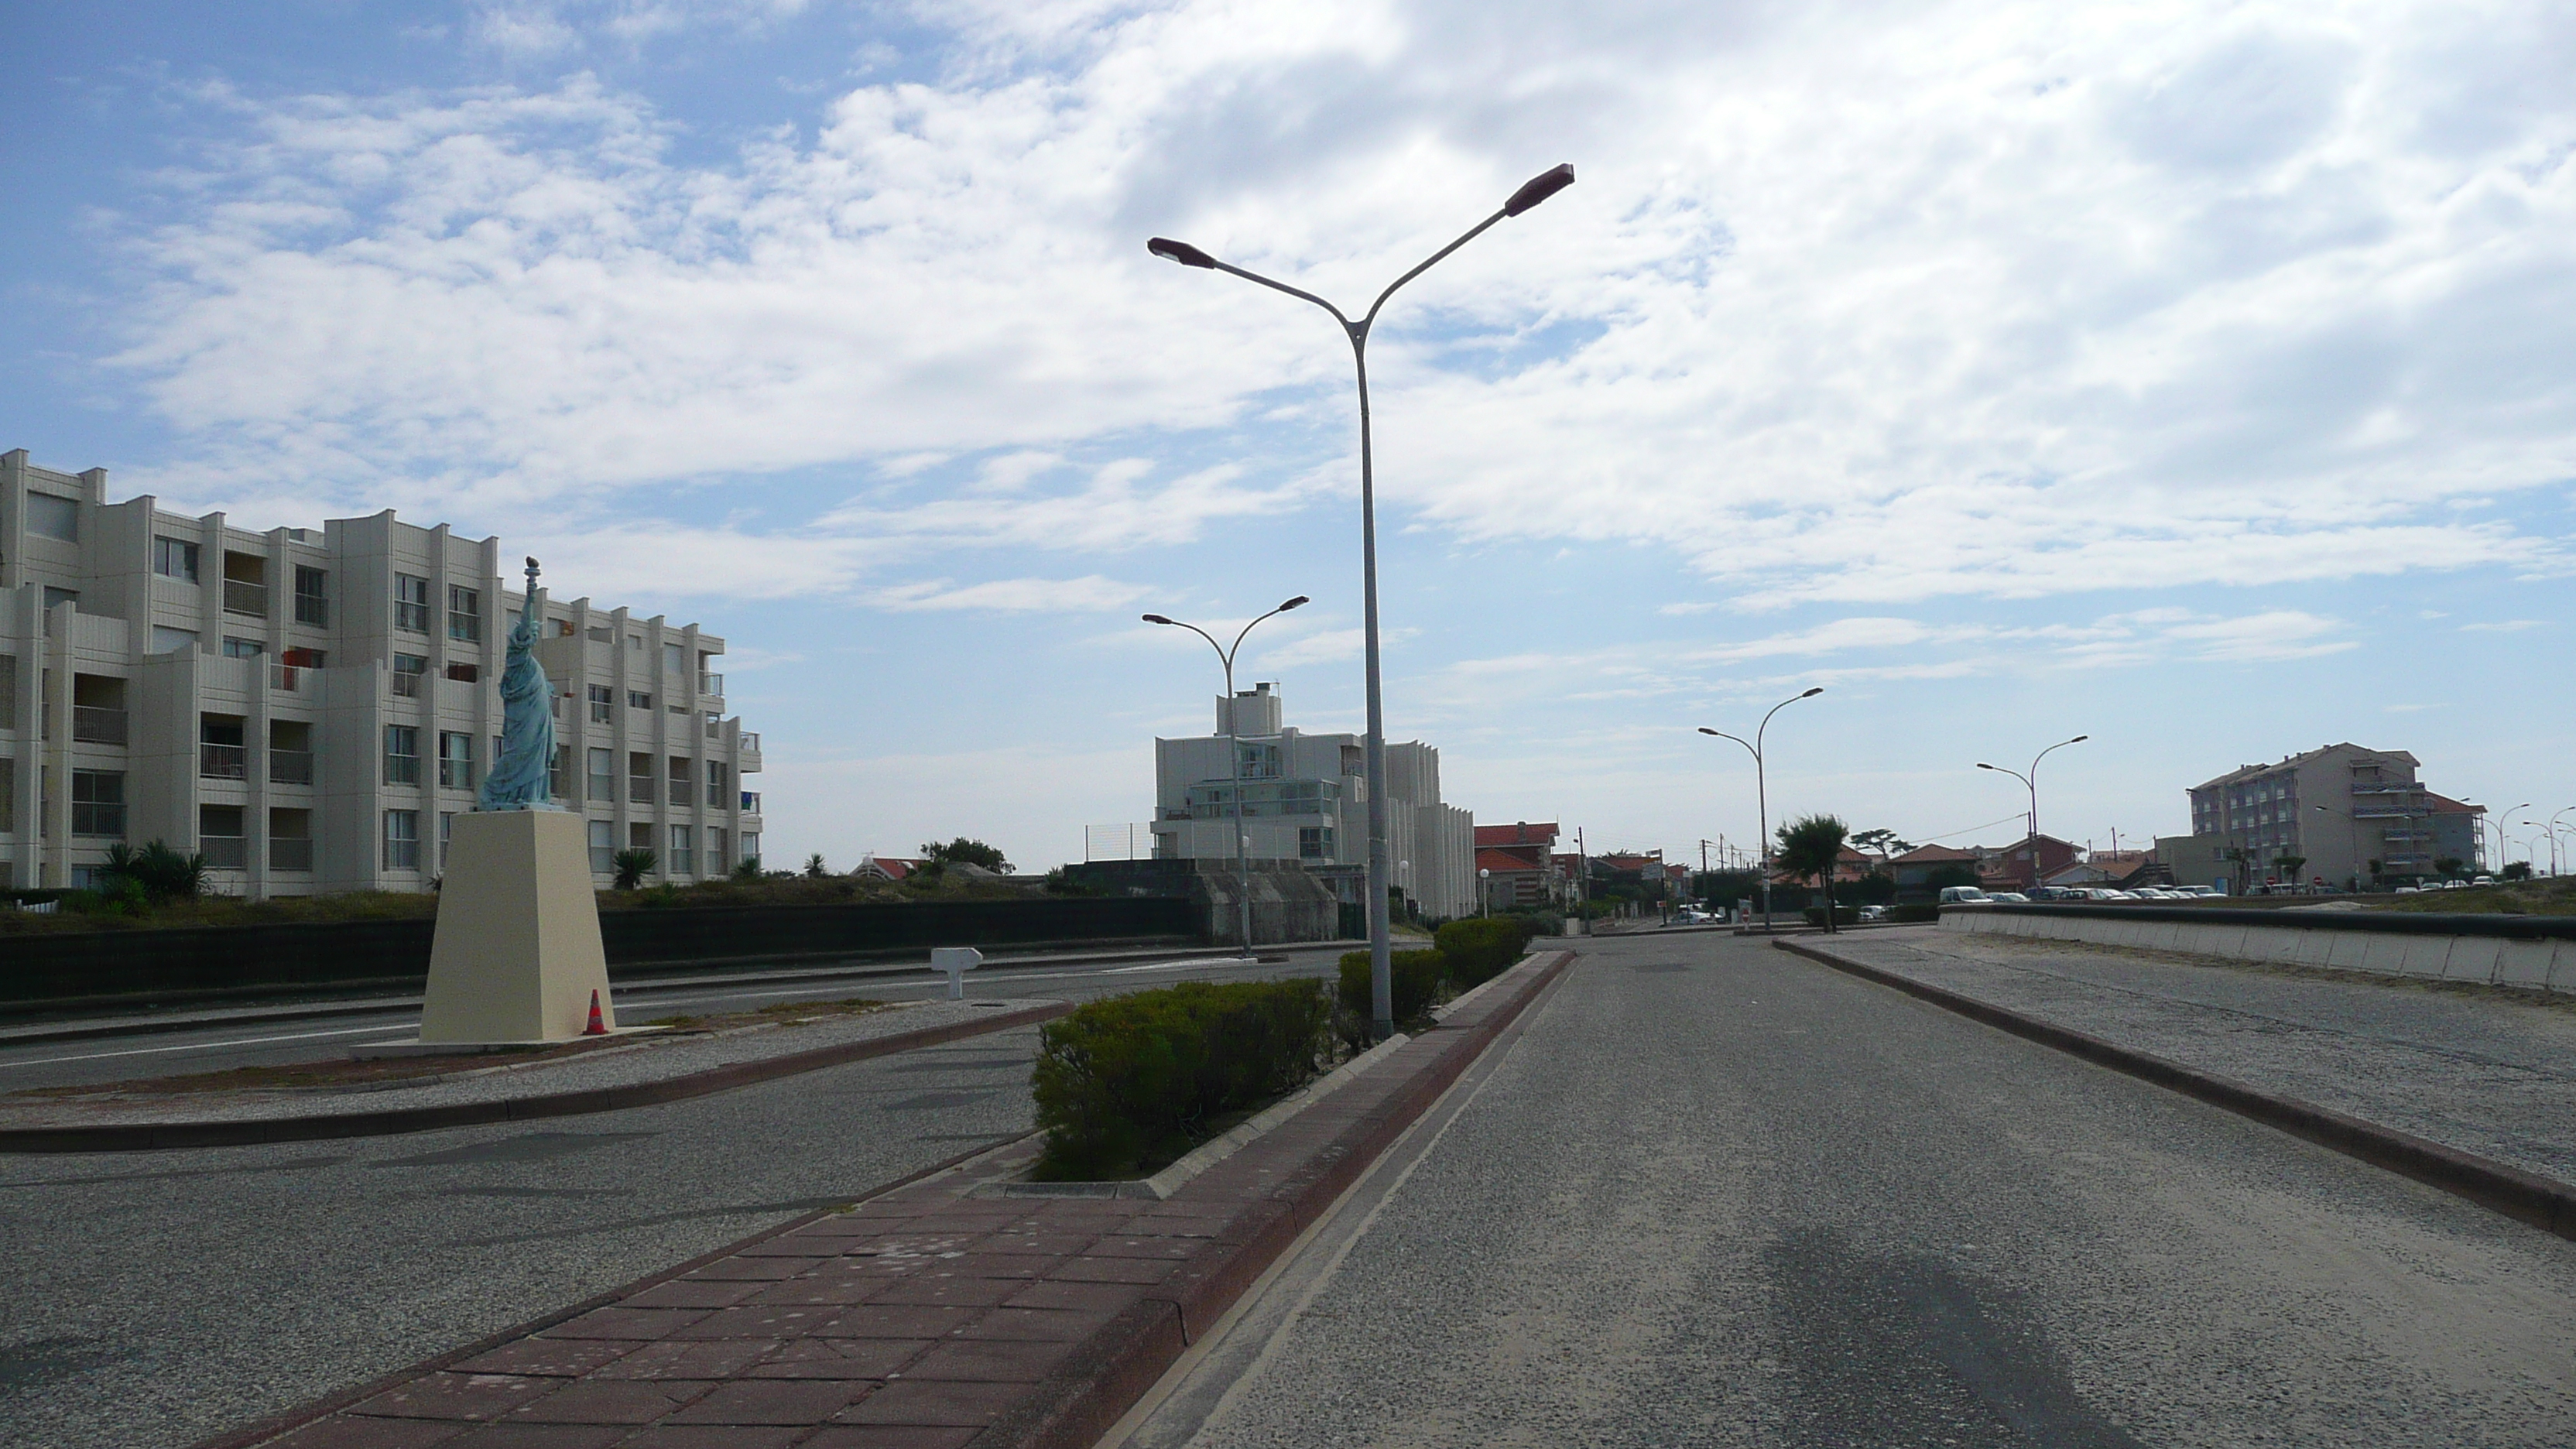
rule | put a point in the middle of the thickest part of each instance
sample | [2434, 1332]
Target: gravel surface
[2487, 1070]
[1719, 1195]
[645, 1060]
[155, 1298]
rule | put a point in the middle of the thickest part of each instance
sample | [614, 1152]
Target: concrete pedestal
[517, 952]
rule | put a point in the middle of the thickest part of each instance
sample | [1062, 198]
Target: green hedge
[1126, 1084]
[1413, 979]
[1914, 914]
[1477, 951]
[1843, 915]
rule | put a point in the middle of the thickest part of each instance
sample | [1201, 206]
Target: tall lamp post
[2553, 838]
[1234, 759]
[2031, 781]
[2498, 820]
[1762, 788]
[1537, 189]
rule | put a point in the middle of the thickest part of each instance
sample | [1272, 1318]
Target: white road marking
[211, 1046]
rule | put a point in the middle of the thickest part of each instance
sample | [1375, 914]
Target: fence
[1118, 842]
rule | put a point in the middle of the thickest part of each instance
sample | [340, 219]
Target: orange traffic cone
[598, 1026]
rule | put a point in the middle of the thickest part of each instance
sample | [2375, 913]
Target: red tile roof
[1520, 832]
[1502, 862]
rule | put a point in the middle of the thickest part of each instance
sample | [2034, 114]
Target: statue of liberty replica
[517, 957]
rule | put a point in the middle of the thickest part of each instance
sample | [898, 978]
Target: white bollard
[956, 961]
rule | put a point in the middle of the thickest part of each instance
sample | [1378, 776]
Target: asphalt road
[1717, 1195]
[156, 1298]
[272, 1043]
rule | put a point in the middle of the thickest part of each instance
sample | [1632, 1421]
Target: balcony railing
[639, 789]
[242, 598]
[94, 724]
[751, 742]
[751, 802]
[715, 728]
[224, 852]
[710, 683]
[290, 767]
[223, 762]
[286, 678]
[406, 683]
[290, 852]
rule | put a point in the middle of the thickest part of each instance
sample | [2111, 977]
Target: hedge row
[1465, 954]
[1131, 1082]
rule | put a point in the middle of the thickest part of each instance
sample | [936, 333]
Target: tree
[2288, 866]
[1881, 841]
[963, 851]
[815, 869]
[748, 868]
[157, 872]
[632, 866]
[2515, 870]
[2449, 866]
[1812, 847]
[1940, 878]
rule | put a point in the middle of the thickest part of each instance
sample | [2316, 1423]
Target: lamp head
[1179, 251]
[1703, 729]
[2079, 739]
[1982, 765]
[1539, 188]
[1297, 602]
[1156, 619]
[1810, 694]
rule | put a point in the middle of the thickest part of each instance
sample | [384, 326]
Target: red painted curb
[162, 1136]
[2525, 1196]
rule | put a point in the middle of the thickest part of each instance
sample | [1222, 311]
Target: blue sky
[2197, 377]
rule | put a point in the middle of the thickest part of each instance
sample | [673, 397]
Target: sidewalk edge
[168, 1136]
[2527, 1197]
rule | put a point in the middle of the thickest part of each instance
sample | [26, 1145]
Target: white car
[1964, 896]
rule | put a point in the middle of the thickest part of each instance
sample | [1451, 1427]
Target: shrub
[631, 866]
[1843, 915]
[1125, 1084]
[1913, 914]
[1477, 951]
[1413, 978]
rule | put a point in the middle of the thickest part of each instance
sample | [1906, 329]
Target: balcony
[751, 802]
[287, 678]
[224, 852]
[242, 598]
[639, 789]
[93, 724]
[290, 767]
[405, 684]
[223, 762]
[711, 684]
[290, 852]
[715, 728]
[750, 742]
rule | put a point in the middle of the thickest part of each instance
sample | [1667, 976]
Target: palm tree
[632, 866]
[1812, 847]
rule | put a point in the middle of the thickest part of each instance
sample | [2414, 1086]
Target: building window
[638, 699]
[675, 660]
[312, 597]
[683, 773]
[751, 846]
[717, 864]
[465, 614]
[222, 837]
[174, 558]
[166, 640]
[603, 776]
[639, 783]
[603, 703]
[98, 802]
[455, 763]
[1314, 842]
[52, 517]
[639, 836]
[411, 603]
[603, 848]
[465, 673]
[719, 787]
[243, 648]
[55, 596]
[446, 828]
[290, 840]
[8, 794]
[684, 851]
[1260, 762]
[402, 756]
[558, 772]
[402, 840]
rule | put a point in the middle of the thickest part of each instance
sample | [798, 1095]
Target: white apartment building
[1305, 798]
[312, 708]
[2348, 812]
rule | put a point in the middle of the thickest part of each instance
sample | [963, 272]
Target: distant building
[1515, 866]
[2346, 813]
[1305, 799]
[1913, 871]
[2025, 863]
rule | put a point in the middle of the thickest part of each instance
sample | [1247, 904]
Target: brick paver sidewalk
[924, 1318]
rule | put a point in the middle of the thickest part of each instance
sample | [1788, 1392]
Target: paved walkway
[2486, 1071]
[1721, 1195]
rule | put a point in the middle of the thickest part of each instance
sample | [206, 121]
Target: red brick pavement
[924, 1318]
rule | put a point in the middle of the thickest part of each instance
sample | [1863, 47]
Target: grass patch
[2523, 898]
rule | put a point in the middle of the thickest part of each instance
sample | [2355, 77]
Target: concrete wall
[2528, 951]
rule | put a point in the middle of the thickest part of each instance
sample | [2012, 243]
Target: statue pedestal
[517, 953]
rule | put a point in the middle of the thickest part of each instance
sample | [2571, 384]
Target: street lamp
[2031, 780]
[2497, 820]
[1234, 759]
[1537, 189]
[1762, 788]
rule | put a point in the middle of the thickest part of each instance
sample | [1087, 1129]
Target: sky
[2196, 377]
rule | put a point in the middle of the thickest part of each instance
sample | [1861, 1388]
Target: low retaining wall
[2529, 951]
[175, 964]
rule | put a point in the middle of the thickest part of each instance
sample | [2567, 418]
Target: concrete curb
[305, 1413]
[165, 1136]
[1117, 1365]
[2527, 1197]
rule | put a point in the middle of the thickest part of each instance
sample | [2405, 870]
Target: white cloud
[1087, 594]
[1330, 646]
[2007, 299]
[2503, 626]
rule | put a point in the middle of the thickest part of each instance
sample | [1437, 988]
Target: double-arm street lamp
[1762, 788]
[1234, 756]
[1537, 189]
[2031, 782]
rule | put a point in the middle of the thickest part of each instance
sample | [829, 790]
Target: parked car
[1873, 913]
[1964, 896]
[2009, 898]
[2482, 880]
